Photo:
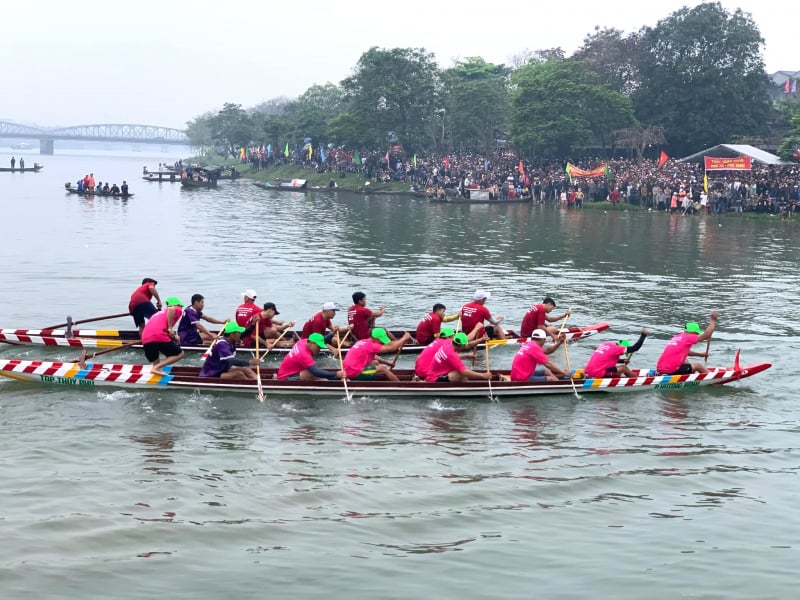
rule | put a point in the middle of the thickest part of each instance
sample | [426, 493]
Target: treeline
[695, 79]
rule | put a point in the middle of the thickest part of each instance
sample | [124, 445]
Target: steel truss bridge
[136, 134]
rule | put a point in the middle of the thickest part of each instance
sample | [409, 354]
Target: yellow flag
[705, 182]
[309, 150]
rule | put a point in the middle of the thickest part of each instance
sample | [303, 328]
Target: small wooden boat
[34, 169]
[95, 375]
[164, 177]
[290, 185]
[92, 194]
[115, 338]
[480, 197]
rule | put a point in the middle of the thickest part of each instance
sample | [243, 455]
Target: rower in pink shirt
[673, 359]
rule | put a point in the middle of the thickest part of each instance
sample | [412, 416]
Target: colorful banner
[740, 163]
[601, 171]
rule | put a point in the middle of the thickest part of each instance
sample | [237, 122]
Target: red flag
[662, 159]
[447, 162]
[521, 169]
[786, 87]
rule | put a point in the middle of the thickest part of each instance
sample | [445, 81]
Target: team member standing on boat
[530, 363]
[429, 327]
[360, 318]
[322, 323]
[673, 359]
[159, 337]
[604, 361]
[474, 313]
[190, 330]
[222, 361]
[446, 365]
[124, 188]
[537, 316]
[362, 360]
[299, 363]
[140, 305]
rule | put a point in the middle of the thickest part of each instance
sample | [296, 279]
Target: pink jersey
[533, 319]
[472, 315]
[358, 316]
[604, 357]
[676, 352]
[360, 355]
[155, 330]
[298, 359]
[525, 361]
[445, 359]
[424, 360]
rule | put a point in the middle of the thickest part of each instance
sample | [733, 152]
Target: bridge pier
[46, 147]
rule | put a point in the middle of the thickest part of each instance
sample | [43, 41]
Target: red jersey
[263, 325]
[245, 313]
[298, 359]
[472, 315]
[140, 295]
[428, 328]
[316, 324]
[358, 316]
[533, 319]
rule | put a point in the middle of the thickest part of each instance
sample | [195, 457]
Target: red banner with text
[741, 163]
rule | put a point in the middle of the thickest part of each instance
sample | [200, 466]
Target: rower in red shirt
[474, 313]
[322, 323]
[429, 327]
[537, 315]
[362, 319]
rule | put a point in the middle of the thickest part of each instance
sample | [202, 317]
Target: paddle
[278, 339]
[341, 365]
[566, 354]
[491, 393]
[258, 366]
[70, 321]
[708, 347]
[207, 353]
[83, 358]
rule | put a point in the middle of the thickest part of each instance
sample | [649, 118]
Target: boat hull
[96, 193]
[187, 378]
[35, 169]
[114, 338]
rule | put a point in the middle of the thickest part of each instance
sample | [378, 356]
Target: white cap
[251, 293]
[538, 334]
[482, 295]
[329, 306]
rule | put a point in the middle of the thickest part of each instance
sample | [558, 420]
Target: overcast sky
[149, 62]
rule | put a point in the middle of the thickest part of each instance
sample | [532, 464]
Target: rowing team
[439, 361]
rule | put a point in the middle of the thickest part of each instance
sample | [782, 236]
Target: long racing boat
[116, 338]
[96, 375]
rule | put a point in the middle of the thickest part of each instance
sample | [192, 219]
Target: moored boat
[114, 338]
[116, 375]
[34, 169]
[283, 184]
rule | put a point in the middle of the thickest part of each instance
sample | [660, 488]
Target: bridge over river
[136, 134]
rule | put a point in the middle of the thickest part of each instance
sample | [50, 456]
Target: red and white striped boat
[177, 377]
[116, 338]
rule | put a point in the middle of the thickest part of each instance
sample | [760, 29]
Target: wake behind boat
[117, 375]
[115, 338]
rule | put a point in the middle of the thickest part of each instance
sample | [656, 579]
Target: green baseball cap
[446, 332]
[693, 327]
[173, 301]
[232, 327]
[625, 343]
[460, 339]
[379, 333]
[317, 339]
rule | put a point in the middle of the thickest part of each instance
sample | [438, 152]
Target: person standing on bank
[673, 359]
[159, 337]
[140, 305]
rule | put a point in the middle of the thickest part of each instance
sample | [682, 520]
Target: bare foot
[155, 371]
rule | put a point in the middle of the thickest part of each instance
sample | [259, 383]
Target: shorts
[153, 349]
[538, 374]
[442, 379]
[143, 311]
[684, 369]
[368, 373]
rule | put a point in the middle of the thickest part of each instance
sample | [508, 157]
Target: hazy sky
[83, 62]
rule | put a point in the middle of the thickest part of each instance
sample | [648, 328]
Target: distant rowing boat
[34, 169]
[291, 185]
[98, 193]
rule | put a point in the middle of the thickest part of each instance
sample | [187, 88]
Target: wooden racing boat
[97, 193]
[34, 169]
[115, 338]
[95, 375]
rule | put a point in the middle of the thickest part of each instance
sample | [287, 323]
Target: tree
[231, 128]
[702, 77]
[393, 93]
[476, 103]
[612, 55]
[199, 132]
[639, 137]
[558, 105]
[791, 142]
[316, 107]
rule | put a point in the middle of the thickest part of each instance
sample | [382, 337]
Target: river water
[666, 494]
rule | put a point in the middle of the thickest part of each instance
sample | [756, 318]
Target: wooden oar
[83, 358]
[258, 366]
[341, 365]
[396, 356]
[491, 393]
[207, 353]
[278, 339]
[566, 354]
[708, 347]
[70, 321]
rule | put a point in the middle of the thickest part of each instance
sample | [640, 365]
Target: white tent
[733, 151]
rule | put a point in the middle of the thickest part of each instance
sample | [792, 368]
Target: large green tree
[392, 95]
[702, 77]
[231, 128]
[476, 103]
[612, 55]
[558, 105]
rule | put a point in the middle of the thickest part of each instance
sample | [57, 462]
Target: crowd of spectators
[673, 186]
